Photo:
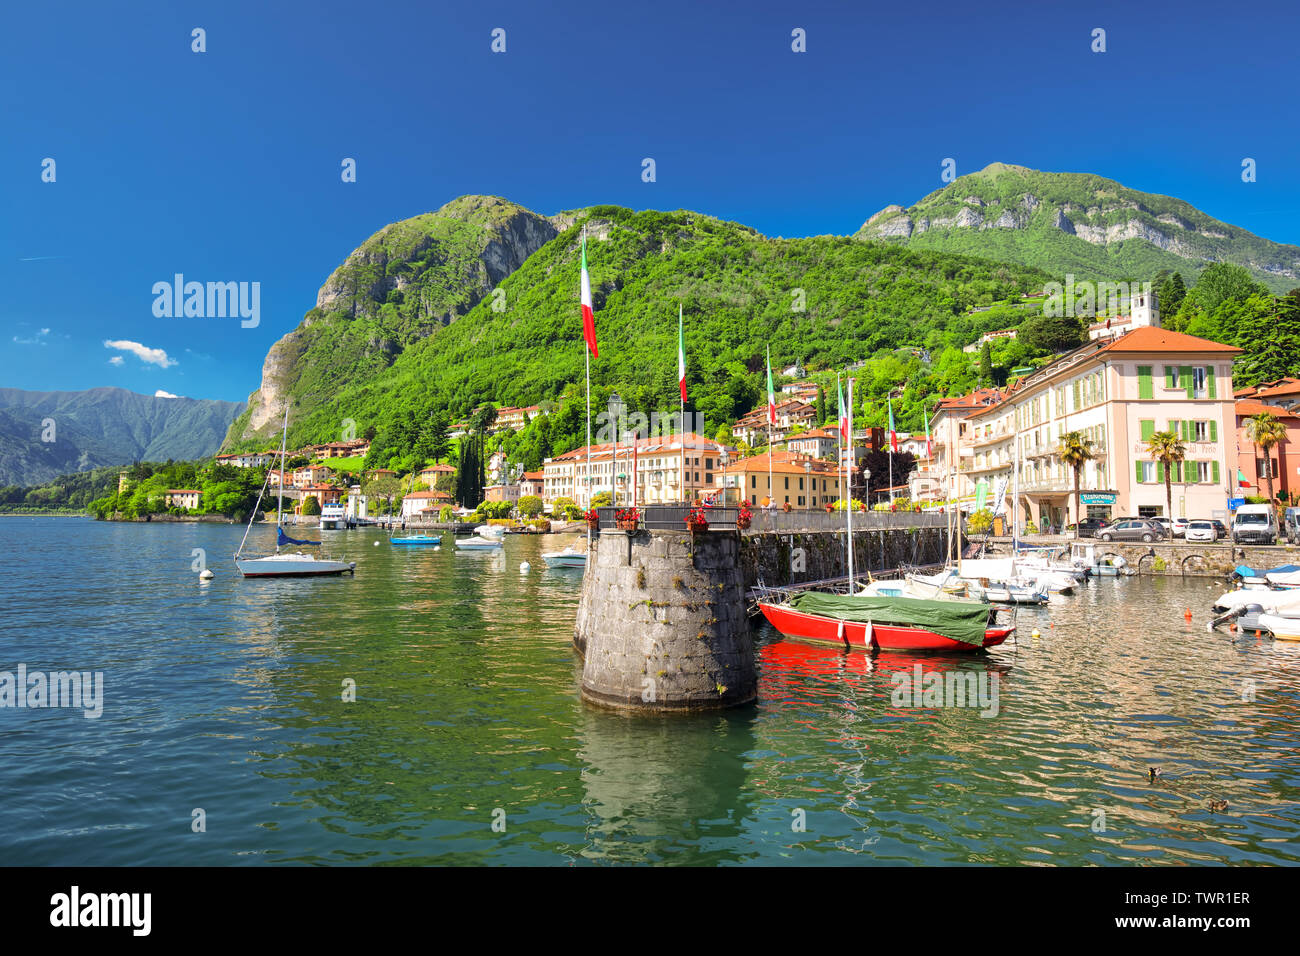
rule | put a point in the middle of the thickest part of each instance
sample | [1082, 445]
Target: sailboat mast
[279, 497]
[848, 473]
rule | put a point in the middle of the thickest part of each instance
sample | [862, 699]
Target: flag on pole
[681, 354]
[588, 317]
[893, 435]
[844, 415]
[929, 449]
[771, 395]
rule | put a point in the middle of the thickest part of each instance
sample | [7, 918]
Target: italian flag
[681, 354]
[844, 415]
[893, 435]
[588, 317]
[929, 449]
[771, 394]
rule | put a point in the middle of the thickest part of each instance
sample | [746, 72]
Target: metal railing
[673, 518]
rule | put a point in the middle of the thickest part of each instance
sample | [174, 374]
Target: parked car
[1201, 530]
[1220, 527]
[1164, 523]
[1291, 525]
[1137, 530]
[1254, 524]
[1088, 527]
[1180, 527]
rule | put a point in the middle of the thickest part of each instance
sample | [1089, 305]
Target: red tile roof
[1148, 338]
[1249, 406]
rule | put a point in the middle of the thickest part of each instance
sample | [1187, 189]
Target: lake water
[227, 697]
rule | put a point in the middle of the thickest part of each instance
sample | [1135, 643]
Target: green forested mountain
[1078, 223]
[824, 302]
[45, 434]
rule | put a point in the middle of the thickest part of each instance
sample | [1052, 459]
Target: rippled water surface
[226, 696]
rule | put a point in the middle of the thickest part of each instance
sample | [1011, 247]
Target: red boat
[804, 625]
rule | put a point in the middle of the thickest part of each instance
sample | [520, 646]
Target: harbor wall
[777, 559]
[661, 623]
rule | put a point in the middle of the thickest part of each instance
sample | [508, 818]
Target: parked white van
[1254, 524]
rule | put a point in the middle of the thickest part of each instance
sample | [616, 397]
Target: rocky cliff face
[1061, 214]
[401, 285]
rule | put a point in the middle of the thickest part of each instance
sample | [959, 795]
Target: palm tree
[1265, 431]
[1074, 451]
[1167, 448]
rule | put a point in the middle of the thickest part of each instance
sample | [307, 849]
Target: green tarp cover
[963, 621]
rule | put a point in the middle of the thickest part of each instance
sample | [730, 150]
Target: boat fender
[1035, 634]
[376, 544]
[206, 574]
[524, 567]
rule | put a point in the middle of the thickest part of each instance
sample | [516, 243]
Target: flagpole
[848, 513]
[771, 413]
[587, 356]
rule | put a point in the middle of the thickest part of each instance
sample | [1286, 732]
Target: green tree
[530, 506]
[1268, 330]
[986, 364]
[1222, 282]
[1074, 451]
[603, 499]
[1265, 432]
[310, 506]
[1048, 335]
[1167, 448]
[1170, 294]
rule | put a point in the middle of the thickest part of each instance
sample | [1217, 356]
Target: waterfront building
[182, 498]
[310, 475]
[1282, 392]
[790, 414]
[819, 443]
[324, 494]
[532, 483]
[502, 492]
[1118, 390]
[424, 503]
[1283, 459]
[803, 482]
[658, 475]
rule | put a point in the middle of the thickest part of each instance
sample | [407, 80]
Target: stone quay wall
[783, 559]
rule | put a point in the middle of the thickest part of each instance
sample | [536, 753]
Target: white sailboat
[285, 564]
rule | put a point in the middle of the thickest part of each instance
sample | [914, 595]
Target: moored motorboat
[417, 539]
[570, 557]
[1285, 627]
[871, 622]
[292, 565]
[479, 543]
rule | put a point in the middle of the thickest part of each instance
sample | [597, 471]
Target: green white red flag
[588, 316]
[844, 415]
[681, 354]
[893, 435]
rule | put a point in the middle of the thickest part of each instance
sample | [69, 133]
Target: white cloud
[161, 394]
[142, 352]
[117, 360]
[37, 339]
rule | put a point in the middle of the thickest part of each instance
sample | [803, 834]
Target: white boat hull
[479, 544]
[1283, 628]
[559, 559]
[291, 566]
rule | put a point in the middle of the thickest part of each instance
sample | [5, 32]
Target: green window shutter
[1186, 372]
[1160, 472]
[1178, 472]
[1139, 470]
[1175, 426]
[1078, 404]
[1216, 472]
[1214, 426]
[1148, 426]
[1144, 383]
[1169, 376]
[1209, 381]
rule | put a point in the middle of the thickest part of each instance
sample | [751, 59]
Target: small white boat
[570, 557]
[1284, 628]
[1268, 598]
[295, 564]
[490, 531]
[479, 543]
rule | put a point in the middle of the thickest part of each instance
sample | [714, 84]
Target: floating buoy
[1034, 634]
[206, 574]
[437, 547]
[1187, 615]
[524, 567]
[1257, 632]
[376, 544]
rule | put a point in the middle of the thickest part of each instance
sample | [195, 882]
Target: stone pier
[661, 623]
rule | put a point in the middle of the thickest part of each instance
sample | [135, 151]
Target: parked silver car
[1139, 529]
[1201, 530]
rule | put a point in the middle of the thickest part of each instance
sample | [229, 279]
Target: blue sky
[225, 165]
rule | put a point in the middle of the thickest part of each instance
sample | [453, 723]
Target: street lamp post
[807, 468]
[866, 494]
[723, 459]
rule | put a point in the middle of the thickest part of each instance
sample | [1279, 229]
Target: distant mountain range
[1081, 224]
[103, 426]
